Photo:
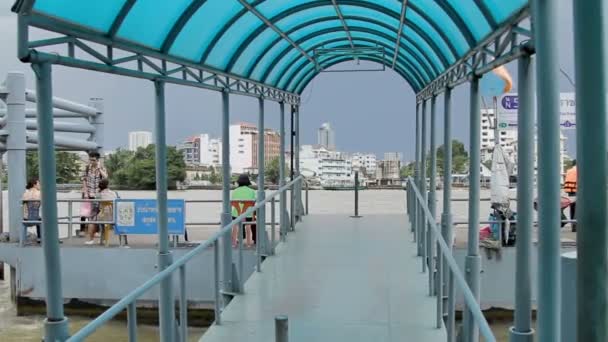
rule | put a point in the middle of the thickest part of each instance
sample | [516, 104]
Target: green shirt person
[243, 193]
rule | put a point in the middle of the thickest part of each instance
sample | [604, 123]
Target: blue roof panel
[227, 36]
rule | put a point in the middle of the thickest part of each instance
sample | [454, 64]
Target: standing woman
[31, 207]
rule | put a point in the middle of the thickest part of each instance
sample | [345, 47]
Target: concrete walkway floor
[338, 279]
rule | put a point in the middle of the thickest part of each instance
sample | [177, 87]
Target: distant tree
[407, 170]
[68, 167]
[272, 171]
[137, 170]
[460, 159]
[197, 177]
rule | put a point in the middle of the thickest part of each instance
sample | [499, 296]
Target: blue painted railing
[415, 198]
[128, 302]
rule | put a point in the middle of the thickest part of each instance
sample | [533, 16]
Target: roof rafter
[400, 31]
[339, 13]
[275, 29]
[126, 8]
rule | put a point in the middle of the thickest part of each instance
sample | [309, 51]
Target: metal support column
[292, 207]
[435, 276]
[473, 260]
[416, 176]
[446, 217]
[97, 122]
[430, 236]
[544, 22]
[522, 330]
[261, 218]
[283, 195]
[298, 192]
[592, 209]
[422, 186]
[166, 301]
[228, 270]
[16, 146]
[56, 324]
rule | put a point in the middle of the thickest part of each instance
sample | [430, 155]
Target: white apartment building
[244, 147]
[139, 139]
[327, 167]
[393, 156]
[365, 163]
[202, 150]
[562, 153]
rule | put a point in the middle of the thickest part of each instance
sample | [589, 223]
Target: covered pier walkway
[337, 279]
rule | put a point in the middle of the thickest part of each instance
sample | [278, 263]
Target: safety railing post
[216, 282]
[132, 321]
[70, 218]
[272, 225]
[292, 208]
[281, 329]
[306, 212]
[183, 305]
[356, 195]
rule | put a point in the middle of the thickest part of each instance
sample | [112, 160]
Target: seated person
[243, 193]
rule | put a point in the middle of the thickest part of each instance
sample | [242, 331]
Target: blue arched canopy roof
[274, 41]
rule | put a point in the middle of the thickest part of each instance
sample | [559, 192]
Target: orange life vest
[570, 182]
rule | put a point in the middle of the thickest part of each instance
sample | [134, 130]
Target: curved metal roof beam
[304, 81]
[124, 11]
[407, 67]
[427, 73]
[356, 3]
[457, 19]
[417, 51]
[180, 23]
[419, 55]
[403, 58]
[387, 52]
[486, 13]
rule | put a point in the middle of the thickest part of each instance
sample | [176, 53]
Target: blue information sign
[138, 216]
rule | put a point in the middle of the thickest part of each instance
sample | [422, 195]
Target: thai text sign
[508, 104]
[139, 216]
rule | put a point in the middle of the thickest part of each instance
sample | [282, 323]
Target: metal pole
[423, 221]
[1, 210]
[216, 282]
[283, 195]
[226, 216]
[436, 280]
[473, 260]
[166, 301]
[56, 324]
[273, 214]
[356, 194]
[97, 122]
[544, 22]
[292, 197]
[183, 305]
[416, 180]
[16, 146]
[298, 191]
[522, 330]
[430, 238]
[132, 321]
[261, 219]
[281, 329]
[591, 213]
[446, 217]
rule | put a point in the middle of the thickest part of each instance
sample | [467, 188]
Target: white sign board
[508, 104]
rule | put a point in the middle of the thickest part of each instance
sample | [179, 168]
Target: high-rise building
[139, 139]
[244, 147]
[393, 156]
[326, 137]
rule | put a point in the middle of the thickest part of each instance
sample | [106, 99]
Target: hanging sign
[508, 105]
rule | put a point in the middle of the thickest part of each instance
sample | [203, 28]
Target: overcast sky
[370, 111]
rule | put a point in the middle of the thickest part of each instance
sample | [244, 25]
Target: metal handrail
[130, 298]
[469, 298]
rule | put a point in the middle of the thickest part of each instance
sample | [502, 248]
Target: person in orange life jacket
[570, 187]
